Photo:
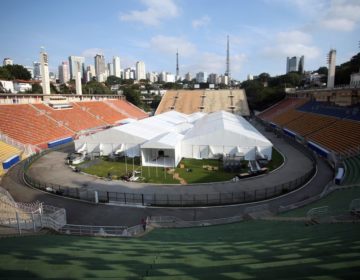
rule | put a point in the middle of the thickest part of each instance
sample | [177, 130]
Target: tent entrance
[158, 158]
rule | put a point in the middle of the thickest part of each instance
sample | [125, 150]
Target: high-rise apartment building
[213, 78]
[201, 77]
[90, 73]
[64, 72]
[116, 65]
[37, 70]
[188, 77]
[100, 68]
[140, 71]
[301, 65]
[73, 60]
[45, 80]
[291, 64]
[7, 61]
[110, 68]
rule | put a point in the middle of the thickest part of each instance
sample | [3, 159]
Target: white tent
[164, 139]
[164, 150]
[226, 134]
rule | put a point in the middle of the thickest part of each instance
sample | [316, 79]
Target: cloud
[201, 22]
[155, 12]
[292, 43]
[169, 45]
[90, 53]
[342, 15]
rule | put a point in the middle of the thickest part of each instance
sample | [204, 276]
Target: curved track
[79, 212]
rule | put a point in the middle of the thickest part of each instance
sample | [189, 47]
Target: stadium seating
[339, 136]
[7, 151]
[309, 123]
[102, 111]
[352, 171]
[207, 101]
[73, 118]
[281, 107]
[127, 109]
[29, 126]
[324, 108]
[286, 117]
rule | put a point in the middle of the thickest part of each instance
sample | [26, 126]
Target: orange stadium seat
[127, 109]
[73, 118]
[27, 125]
[281, 107]
[102, 111]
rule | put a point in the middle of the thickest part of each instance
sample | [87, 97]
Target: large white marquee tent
[164, 139]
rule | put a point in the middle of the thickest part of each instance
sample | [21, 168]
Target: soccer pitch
[247, 250]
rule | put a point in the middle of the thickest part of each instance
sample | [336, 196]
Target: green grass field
[338, 202]
[248, 250]
[157, 175]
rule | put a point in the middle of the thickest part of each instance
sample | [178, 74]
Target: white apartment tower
[73, 60]
[140, 71]
[45, 72]
[331, 72]
[78, 77]
[116, 65]
[64, 72]
[100, 68]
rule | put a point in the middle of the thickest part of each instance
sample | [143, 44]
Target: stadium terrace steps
[128, 109]
[309, 123]
[287, 117]
[7, 151]
[281, 107]
[102, 111]
[73, 118]
[27, 125]
[207, 101]
[340, 136]
[352, 174]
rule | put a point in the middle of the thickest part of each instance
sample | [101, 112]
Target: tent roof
[165, 141]
[224, 121]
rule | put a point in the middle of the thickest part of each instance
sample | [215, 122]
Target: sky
[262, 33]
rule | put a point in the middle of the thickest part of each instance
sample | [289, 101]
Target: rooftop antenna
[177, 63]
[227, 73]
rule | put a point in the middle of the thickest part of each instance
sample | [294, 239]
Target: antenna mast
[177, 63]
[227, 73]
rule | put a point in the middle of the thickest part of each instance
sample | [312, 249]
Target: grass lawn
[198, 174]
[338, 202]
[248, 250]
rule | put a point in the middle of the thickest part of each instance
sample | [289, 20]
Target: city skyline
[262, 33]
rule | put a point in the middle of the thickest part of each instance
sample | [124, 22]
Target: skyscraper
[331, 72]
[140, 71]
[100, 69]
[45, 80]
[37, 70]
[78, 76]
[64, 72]
[301, 65]
[291, 64]
[73, 66]
[110, 69]
[201, 77]
[90, 73]
[116, 65]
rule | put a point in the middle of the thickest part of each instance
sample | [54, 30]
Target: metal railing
[172, 200]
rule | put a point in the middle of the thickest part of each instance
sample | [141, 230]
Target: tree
[113, 80]
[132, 95]
[5, 74]
[94, 87]
[36, 88]
[18, 72]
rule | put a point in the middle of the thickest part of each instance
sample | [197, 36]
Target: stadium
[278, 221]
